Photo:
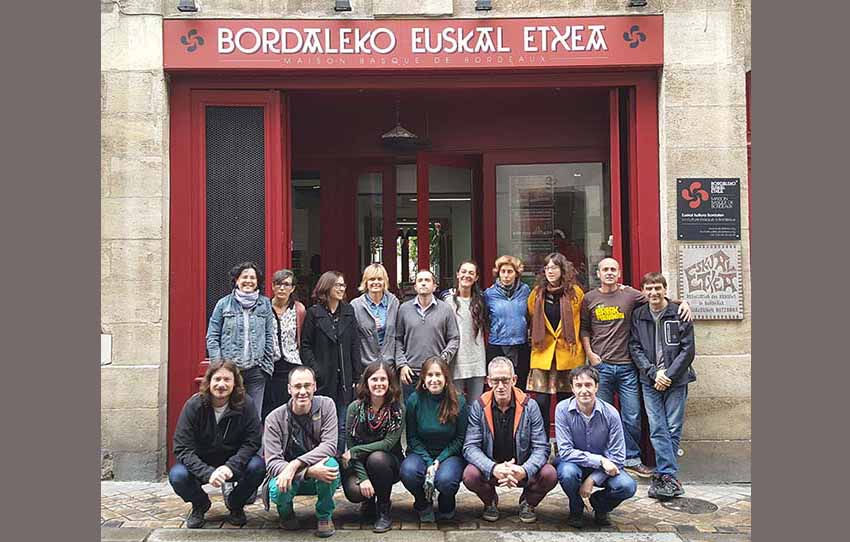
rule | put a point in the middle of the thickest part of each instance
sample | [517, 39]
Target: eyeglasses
[338, 285]
[495, 382]
[284, 285]
[551, 267]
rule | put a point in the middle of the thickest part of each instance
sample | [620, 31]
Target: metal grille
[236, 222]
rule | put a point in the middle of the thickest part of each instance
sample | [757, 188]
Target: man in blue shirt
[591, 450]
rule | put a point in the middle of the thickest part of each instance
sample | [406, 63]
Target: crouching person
[216, 442]
[506, 445]
[299, 444]
[591, 450]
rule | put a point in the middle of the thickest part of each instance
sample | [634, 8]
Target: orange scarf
[538, 324]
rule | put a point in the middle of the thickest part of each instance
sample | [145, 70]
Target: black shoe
[601, 518]
[674, 487]
[659, 488]
[576, 521]
[368, 508]
[236, 517]
[195, 520]
[383, 523]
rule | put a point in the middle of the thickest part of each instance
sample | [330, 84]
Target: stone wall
[702, 126]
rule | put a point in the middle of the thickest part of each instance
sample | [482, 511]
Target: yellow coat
[567, 359]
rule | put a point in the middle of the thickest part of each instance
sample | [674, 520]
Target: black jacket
[677, 341]
[202, 445]
[333, 355]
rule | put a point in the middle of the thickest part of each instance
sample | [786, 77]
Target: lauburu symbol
[695, 195]
[634, 36]
[192, 37]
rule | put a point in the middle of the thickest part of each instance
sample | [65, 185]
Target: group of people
[304, 400]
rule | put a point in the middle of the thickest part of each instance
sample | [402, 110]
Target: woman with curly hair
[374, 425]
[465, 299]
[436, 419]
[554, 306]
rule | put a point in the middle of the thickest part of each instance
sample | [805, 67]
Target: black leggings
[382, 469]
[542, 400]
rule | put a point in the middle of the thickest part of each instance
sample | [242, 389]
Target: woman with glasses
[330, 345]
[554, 306]
[289, 318]
[467, 303]
[376, 312]
[241, 330]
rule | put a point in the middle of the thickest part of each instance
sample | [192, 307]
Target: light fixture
[483, 5]
[342, 5]
[400, 138]
[187, 6]
[637, 3]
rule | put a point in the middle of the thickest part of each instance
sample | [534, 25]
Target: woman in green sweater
[436, 427]
[374, 425]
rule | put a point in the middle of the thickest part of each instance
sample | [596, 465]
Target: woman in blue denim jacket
[241, 330]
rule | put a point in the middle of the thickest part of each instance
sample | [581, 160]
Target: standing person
[425, 327]
[241, 329]
[507, 307]
[373, 433]
[606, 314]
[216, 442]
[331, 347]
[376, 311]
[506, 445]
[467, 303]
[299, 443]
[436, 427]
[662, 347]
[555, 318]
[591, 450]
[289, 319]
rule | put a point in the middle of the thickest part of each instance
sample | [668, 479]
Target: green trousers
[308, 486]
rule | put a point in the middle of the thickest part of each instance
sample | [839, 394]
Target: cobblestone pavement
[155, 506]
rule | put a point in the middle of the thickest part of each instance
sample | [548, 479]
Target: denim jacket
[226, 332]
[507, 315]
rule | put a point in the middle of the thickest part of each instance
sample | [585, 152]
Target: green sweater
[426, 436]
[359, 452]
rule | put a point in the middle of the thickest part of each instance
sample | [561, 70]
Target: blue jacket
[677, 342]
[530, 440]
[507, 315]
[226, 332]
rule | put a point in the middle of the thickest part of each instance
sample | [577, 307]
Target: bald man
[606, 319]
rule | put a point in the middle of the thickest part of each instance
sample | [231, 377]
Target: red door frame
[187, 219]
[186, 289]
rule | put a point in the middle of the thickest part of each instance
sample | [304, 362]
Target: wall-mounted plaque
[710, 279]
[708, 209]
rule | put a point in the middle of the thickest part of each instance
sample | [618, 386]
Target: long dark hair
[393, 397]
[480, 318]
[568, 275]
[449, 406]
[237, 398]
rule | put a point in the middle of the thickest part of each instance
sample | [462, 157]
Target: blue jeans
[254, 380]
[188, 486]
[615, 490]
[623, 379]
[666, 413]
[446, 481]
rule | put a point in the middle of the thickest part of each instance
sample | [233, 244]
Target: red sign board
[340, 44]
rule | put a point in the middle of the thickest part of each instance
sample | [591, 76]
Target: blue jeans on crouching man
[623, 378]
[188, 486]
[615, 489]
[666, 413]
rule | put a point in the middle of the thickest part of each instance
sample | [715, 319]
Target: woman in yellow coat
[555, 345]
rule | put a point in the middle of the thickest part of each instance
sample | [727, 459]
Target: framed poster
[708, 209]
[710, 280]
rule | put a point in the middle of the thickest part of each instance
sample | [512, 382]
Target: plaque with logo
[708, 209]
[710, 278]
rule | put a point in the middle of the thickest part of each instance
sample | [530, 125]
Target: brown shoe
[325, 528]
[641, 470]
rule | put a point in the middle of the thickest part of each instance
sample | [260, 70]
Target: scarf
[246, 300]
[538, 319]
[508, 290]
[370, 427]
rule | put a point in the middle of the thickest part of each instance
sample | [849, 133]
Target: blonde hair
[513, 261]
[374, 271]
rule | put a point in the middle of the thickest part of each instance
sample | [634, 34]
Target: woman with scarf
[555, 346]
[374, 425]
[289, 318]
[241, 330]
[507, 306]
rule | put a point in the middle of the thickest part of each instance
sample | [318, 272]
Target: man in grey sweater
[425, 327]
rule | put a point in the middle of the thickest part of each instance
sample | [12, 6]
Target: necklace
[377, 419]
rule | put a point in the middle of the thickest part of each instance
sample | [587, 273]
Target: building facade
[270, 131]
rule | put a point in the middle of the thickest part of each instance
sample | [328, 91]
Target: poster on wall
[708, 209]
[532, 206]
[710, 280]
